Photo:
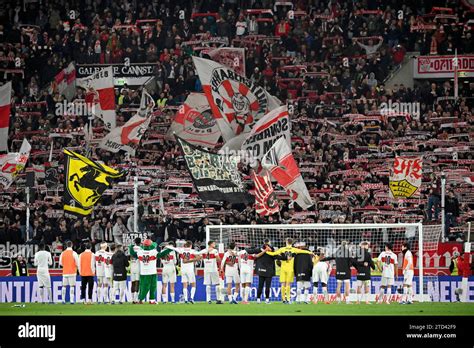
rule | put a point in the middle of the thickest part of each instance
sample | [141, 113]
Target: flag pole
[456, 77]
[27, 213]
[50, 158]
[135, 204]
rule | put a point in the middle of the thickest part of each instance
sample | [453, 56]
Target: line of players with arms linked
[222, 271]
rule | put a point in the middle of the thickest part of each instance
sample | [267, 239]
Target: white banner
[428, 67]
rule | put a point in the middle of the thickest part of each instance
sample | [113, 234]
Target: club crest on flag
[265, 198]
[236, 101]
[85, 182]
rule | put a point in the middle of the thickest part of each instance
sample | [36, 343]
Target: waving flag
[405, 177]
[236, 102]
[282, 166]
[85, 182]
[131, 132]
[101, 95]
[265, 200]
[65, 82]
[194, 122]
[5, 101]
[13, 163]
[266, 131]
[216, 177]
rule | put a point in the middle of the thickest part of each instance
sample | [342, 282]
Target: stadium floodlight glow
[423, 239]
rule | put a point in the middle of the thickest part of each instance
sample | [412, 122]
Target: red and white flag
[65, 82]
[231, 57]
[5, 105]
[236, 102]
[100, 95]
[13, 163]
[265, 200]
[469, 179]
[282, 166]
[194, 122]
[266, 131]
[121, 138]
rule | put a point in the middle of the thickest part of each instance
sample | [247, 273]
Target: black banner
[339, 331]
[216, 177]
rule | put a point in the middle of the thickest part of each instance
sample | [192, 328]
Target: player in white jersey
[100, 256]
[321, 272]
[211, 272]
[135, 270]
[246, 265]
[168, 274]
[389, 269]
[230, 266]
[108, 273]
[408, 273]
[188, 257]
[42, 262]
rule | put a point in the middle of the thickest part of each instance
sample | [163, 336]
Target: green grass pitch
[428, 309]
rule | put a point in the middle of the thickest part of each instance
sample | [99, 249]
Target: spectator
[118, 231]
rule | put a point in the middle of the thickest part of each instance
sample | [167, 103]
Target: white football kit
[230, 263]
[211, 274]
[42, 262]
[389, 260]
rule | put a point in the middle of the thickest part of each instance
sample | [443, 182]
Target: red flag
[281, 164]
[5, 104]
[265, 201]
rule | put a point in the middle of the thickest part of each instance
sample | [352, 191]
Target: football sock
[185, 293]
[283, 293]
[208, 293]
[193, 291]
[71, 294]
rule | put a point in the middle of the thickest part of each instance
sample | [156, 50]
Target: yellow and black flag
[85, 182]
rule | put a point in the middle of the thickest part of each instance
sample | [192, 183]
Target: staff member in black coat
[120, 264]
[363, 263]
[265, 269]
[303, 267]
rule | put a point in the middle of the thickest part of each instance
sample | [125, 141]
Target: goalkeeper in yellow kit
[287, 273]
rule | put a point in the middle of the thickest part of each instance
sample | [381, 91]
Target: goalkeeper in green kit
[147, 256]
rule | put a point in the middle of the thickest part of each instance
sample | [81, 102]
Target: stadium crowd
[338, 157]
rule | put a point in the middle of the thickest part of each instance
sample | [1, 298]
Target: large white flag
[131, 132]
[194, 122]
[263, 135]
[282, 166]
[236, 102]
[13, 163]
[100, 95]
[5, 101]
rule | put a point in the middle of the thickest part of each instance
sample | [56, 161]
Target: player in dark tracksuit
[344, 261]
[120, 264]
[363, 263]
[303, 266]
[265, 269]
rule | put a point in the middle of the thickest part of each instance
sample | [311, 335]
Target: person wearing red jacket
[464, 266]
